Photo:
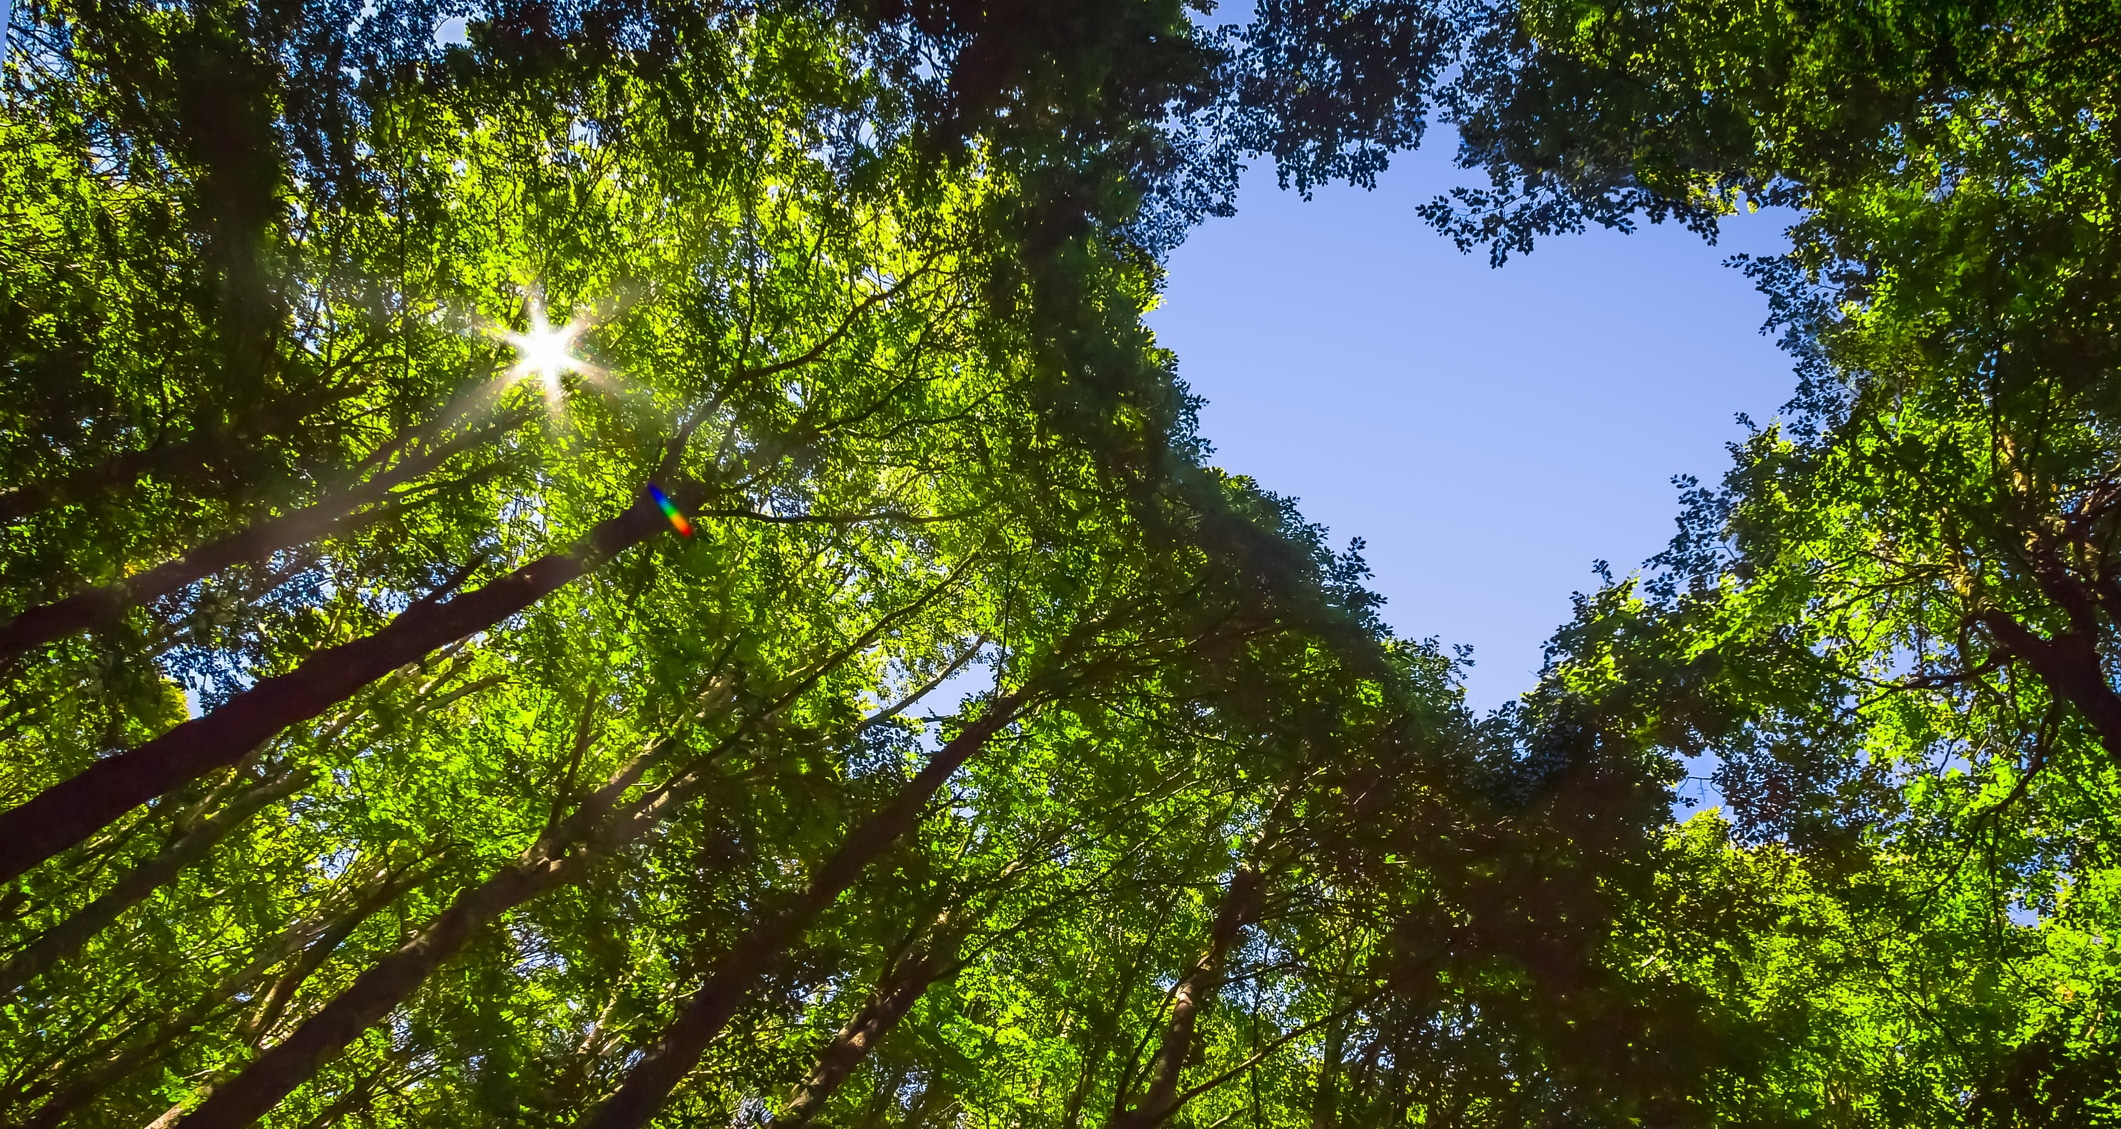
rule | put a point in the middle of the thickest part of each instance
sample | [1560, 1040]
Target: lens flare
[547, 351]
[670, 510]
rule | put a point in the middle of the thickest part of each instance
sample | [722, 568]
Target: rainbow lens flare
[670, 510]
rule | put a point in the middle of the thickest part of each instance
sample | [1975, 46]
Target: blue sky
[1490, 433]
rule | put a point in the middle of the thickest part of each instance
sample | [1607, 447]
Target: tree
[1888, 624]
[368, 375]
[658, 577]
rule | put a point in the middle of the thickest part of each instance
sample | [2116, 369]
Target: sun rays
[546, 353]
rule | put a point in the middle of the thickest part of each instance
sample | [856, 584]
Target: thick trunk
[1189, 997]
[95, 607]
[2071, 666]
[73, 809]
[553, 861]
[66, 938]
[902, 986]
[649, 1083]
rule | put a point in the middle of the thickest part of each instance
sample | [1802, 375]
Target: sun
[546, 351]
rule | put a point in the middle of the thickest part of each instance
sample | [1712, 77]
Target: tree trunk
[931, 960]
[66, 938]
[315, 953]
[1104, 1023]
[73, 809]
[118, 471]
[553, 861]
[97, 606]
[560, 856]
[2073, 669]
[86, 1081]
[1189, 997]
[649, 1083]
[1325, 1101]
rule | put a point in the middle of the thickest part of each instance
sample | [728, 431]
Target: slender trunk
[95, 607]
[649, 1083]
[569, 1082]
[86, 1081]
[73, 809]
[1189, 997]
[29, 1079]
[934, 1091]
[563, 854]
[66, 938]
[359, 1094]
[932, 959]
[118, 471]
[881, 1100]
[315, 953]
[1325, 1102]
[1104, 1023]
[553, 861]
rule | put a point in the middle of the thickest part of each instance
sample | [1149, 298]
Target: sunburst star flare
[546, 351]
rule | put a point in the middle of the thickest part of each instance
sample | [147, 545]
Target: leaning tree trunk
[1189, 997]
[562, 855]
[95, 607]
[649, 1083]
[268, 1008]
[313, 940]
[556, 859]
[73, 809]
[66, 938]
[933, 958]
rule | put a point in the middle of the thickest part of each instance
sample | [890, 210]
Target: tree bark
[316, 952]
[2071, 666]
[86, 1083]
[563, 854]
[1189, 997]
[553, 861]
[932, 959]
[1325, 1101]
[73, 809]
[649, 1083]
[97, 606]
[66, 938]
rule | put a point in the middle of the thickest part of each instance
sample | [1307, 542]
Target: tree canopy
[639, 566]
